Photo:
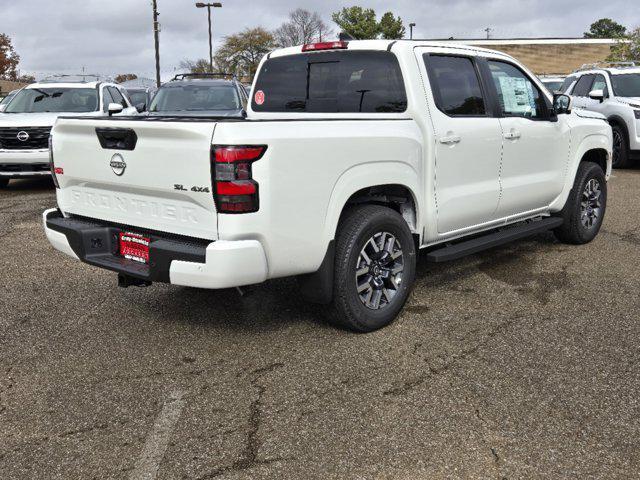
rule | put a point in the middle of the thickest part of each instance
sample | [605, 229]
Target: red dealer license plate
[134, 247]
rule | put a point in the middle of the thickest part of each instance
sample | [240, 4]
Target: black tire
[574, 230]
[360, 225]
[620, 148]
[4, 182]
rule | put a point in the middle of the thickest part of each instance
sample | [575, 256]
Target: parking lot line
[154, 448]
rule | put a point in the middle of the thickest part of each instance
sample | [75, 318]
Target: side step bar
[485, 242]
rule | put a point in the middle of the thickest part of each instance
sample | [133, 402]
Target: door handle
[512, 135]
[450, 139]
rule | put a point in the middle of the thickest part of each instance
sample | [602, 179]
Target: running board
[485, 242]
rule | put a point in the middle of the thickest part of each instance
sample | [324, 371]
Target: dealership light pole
[209, 5]
[411, 25]
[156, 39]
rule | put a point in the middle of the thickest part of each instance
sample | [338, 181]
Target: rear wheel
[374, 268]
[620, 148]
[585, 208]
[4, 182]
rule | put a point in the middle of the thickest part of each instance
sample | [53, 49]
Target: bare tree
[302, 27]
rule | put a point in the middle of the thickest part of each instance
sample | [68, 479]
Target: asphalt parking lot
[521, 362]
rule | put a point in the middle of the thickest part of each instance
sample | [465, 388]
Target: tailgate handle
[117, 138]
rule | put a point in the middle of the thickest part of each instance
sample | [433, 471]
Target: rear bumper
[179, 261]
[24, 163]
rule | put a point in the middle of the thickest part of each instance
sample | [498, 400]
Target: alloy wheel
[591, 205]
[379, 270]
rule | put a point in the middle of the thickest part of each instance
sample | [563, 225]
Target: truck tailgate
[154, 175]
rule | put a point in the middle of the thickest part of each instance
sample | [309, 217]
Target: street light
[411, 25]
[208, 7]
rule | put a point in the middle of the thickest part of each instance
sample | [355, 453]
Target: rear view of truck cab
[351, 156]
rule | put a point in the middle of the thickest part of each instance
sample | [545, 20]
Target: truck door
[468, 141]
[536, 144]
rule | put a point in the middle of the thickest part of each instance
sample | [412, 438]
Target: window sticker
[259, 97]
[518, 96]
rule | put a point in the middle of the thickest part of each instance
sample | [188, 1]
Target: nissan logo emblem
[23, 136]
[118, 164]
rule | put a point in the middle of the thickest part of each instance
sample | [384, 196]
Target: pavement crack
[496, 458]
[410, 385]
[630, 236]
[248, 457]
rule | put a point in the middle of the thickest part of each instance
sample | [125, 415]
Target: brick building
[550, 55]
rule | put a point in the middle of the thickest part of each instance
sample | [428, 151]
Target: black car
[191, 94]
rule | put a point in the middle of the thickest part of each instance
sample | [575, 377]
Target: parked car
[553, 82]
[27, 120]
[204, 95]
[346, 163]
[5, 100]
[140, 97]
[613, 89]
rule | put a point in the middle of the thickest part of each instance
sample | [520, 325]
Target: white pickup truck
[350, 158]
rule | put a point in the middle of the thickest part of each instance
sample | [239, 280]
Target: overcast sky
[115, 36]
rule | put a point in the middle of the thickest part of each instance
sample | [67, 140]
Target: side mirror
[141, 107]
[596, 95]
[561, 104]
[114, 108]
[3, 107]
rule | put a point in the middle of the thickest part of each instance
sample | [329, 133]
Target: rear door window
[583, 87]
[331, 82]
[455, 85]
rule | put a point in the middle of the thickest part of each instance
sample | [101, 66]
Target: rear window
[331, 82]
[196, 98]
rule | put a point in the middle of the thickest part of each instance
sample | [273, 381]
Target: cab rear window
[331, 82]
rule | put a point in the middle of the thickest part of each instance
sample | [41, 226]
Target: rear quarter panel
[308, 173]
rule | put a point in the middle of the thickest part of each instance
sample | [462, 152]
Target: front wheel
[375, 268]
[4, 182]
[585, 208]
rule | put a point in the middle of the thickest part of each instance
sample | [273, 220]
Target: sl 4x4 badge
[182, 188]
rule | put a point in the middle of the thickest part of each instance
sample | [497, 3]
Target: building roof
[533, 41]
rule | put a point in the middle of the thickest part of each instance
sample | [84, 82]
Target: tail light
[314, 47]
[234, 189]
[54, 171]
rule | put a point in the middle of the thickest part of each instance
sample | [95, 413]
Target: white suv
[29, 117]
[613, 91]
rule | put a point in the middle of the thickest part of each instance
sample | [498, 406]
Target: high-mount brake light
[314, 47]
[234, 189]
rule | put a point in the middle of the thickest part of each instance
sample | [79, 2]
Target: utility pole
[156, 39]
[208, 7]
[411, 25]
[488, 30]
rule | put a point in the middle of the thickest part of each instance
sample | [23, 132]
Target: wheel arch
[595, 147]
[398, 189]
[361, 185]
[620, 122]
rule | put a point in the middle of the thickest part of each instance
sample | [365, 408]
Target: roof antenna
[345, 37]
